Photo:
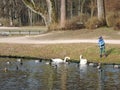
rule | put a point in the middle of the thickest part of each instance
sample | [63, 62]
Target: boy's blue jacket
[101, 42]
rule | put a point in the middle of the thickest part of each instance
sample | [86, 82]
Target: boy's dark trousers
[102, 51]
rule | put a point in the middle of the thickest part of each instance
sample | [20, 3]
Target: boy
[101, 44]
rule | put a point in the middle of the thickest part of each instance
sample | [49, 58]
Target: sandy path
[27, 40]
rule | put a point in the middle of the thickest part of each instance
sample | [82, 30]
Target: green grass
[89, 51]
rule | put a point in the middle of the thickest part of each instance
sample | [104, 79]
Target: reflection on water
[34, 75]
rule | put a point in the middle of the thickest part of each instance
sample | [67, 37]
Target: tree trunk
[79, 7]
[82, 6]
[10, 18]
[46, 14]
[10, 15]
[92, 7]
[71, 9]
[57, 9]
[63, 14]
[101, 9]
[30, 17]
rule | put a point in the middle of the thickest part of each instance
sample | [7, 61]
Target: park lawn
[89, 51]
[48, 51]
[107, 33]
[24, 28]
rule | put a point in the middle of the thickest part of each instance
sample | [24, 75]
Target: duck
[83, 61]
[99, 66]
[17, 68]
[37, 61]
[116, 66]
[58, 60]
[7, 62]
[19, 60]
[47, 63]
[5, 69]
[93, 64]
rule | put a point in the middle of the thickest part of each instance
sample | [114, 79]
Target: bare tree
[46, 13]
[82, 5]
[71, 9]
[101, 9]
[93, 7]
[63, 13]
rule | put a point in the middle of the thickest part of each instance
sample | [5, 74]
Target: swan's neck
[80, 57]
[65, 59]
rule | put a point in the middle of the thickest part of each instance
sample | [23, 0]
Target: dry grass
[89, 51]
[25, 28]
[107, 33]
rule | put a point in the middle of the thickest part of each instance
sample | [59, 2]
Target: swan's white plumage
[83, 61]
[58, 60]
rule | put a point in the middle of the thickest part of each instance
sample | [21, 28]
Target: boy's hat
[100, 37]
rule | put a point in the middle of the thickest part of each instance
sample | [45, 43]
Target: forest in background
[78, 13]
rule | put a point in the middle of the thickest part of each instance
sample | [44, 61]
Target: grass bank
[89, 51]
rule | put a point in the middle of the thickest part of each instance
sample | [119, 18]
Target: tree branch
[39, 10]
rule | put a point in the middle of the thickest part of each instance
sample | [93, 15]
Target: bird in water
[5, 69]
[20, 60]
[58, 60]
[7, 62]
[83, 61]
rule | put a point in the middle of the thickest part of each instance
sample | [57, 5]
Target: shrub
[94, 23]
[4, 22]
[54, 26]
[76, 22]
[111, 19]
[16, 23]
[37, 23]
[117, 24]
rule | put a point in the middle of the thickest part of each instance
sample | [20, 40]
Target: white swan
[83, 61]
[58, 60]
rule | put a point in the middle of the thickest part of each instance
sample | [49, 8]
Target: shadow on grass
[108, 52]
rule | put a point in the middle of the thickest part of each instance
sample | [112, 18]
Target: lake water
[34, 75]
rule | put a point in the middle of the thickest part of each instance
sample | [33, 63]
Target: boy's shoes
[100, 56]
[105, 55]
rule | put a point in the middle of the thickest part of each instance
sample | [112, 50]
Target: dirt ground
[58, 37]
